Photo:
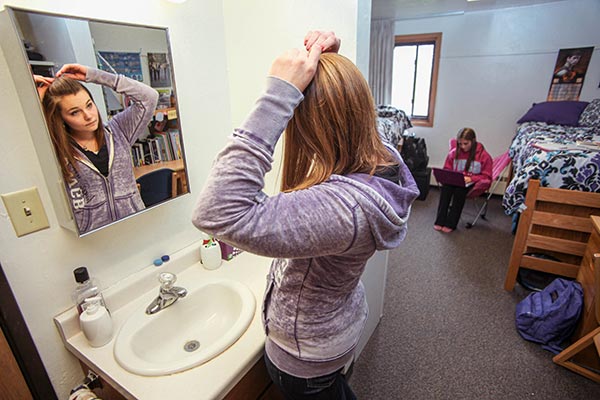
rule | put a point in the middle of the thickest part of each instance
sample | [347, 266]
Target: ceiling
[409, 9]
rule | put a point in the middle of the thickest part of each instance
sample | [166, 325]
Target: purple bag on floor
[549, 317]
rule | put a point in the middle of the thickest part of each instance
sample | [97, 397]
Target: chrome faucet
[168, 293]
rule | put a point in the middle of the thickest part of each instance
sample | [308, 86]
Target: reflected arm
[134, 119]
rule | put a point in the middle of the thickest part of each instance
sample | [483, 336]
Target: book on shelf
[175, 143]
[166, 141]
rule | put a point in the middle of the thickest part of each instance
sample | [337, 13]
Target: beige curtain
[381, 60]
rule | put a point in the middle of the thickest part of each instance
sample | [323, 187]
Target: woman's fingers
[325, 39]
[298, 67]
[41, 84]
[75, 71]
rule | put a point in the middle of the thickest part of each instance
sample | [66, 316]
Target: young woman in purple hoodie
[95, 159]
[344, 196]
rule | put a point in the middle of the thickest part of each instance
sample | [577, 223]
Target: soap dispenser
[210, 252]
[95, 322]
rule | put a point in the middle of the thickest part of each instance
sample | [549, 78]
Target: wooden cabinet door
[12, 382]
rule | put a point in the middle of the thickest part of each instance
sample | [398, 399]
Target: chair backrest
[499, 164]
[156, 186]
[555, 222]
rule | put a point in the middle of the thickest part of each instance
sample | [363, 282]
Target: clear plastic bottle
[86, 288]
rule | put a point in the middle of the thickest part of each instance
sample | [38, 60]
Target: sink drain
[192, 345]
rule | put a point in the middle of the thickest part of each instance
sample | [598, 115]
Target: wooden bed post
[521, 237]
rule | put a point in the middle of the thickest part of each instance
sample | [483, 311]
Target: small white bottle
[210, 252]
[95, 322]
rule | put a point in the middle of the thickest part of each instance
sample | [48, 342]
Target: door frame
[21, 343]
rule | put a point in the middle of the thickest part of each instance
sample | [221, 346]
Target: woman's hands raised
[74, 71]
[297, 66]
[327, 40]
[41, 84]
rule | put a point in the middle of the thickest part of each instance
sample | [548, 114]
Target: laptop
[449, 177]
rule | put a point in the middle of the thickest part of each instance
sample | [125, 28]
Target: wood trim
[556, 244]
[578, 224]
[12, 382]
[435, 38]
[22, 345]
[552, 267]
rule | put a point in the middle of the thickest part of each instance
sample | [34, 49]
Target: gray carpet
[448, 328]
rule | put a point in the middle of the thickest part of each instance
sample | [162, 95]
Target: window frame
[420, 39]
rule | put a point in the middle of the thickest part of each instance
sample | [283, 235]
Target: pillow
[555, 112]
[591, 115]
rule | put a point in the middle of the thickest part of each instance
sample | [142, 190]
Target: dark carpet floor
[448, 329]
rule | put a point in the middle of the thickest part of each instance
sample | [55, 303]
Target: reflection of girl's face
[79, 112]
[464, 145]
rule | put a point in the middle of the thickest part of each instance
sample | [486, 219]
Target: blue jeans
[328, 387]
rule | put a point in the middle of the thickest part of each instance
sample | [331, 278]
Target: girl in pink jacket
[470, 158]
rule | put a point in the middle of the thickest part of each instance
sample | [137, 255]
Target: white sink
[190, 332]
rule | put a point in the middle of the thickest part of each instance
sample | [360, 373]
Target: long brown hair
[467, 134]
[59, 130]
[333, 130]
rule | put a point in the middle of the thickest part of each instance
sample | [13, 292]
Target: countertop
[211, 380]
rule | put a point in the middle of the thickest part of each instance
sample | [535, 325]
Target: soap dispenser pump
[95, 322]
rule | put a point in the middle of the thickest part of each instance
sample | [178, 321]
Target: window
[414, 79]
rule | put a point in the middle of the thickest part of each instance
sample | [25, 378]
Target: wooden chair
[555, 222]
[565, 357]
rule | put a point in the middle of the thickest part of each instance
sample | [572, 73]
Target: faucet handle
[166, 279]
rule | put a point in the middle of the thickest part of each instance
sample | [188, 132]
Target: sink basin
[188, 333]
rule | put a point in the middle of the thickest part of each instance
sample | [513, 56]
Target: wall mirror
[40, 44]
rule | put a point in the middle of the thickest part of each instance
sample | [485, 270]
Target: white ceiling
[408, 9]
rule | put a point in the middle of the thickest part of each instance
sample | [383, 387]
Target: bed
[557, 143]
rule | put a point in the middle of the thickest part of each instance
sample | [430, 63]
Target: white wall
[257, 32]
[221, 54]
[495, 64]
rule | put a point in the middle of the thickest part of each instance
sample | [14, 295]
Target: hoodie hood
[386, 203]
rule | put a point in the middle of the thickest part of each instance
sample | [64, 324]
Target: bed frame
[557, 222]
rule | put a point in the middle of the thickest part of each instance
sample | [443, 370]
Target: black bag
[414, 153]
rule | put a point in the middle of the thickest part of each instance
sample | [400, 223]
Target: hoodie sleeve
[132, 121]
[449, 163]
[232, 206]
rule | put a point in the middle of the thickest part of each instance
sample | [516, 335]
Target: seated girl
[470, 158]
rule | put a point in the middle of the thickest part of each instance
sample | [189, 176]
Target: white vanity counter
[211, 380]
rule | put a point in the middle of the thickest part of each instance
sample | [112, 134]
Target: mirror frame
[20, 71]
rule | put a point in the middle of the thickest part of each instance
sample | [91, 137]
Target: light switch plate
[26, 211]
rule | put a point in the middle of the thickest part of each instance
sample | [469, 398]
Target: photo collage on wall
[569, 73]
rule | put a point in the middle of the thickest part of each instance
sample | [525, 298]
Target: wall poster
[160, 70]
[128, 64]
[569, 73]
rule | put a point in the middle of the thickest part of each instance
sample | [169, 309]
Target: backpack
[551, 315]
[414, 153]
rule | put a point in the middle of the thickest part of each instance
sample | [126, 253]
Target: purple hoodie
[97, 200]
[314, 308]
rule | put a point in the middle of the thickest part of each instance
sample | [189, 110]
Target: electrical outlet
[26, 211]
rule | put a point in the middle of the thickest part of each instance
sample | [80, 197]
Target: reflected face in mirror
[80, 113]
[110, 105]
